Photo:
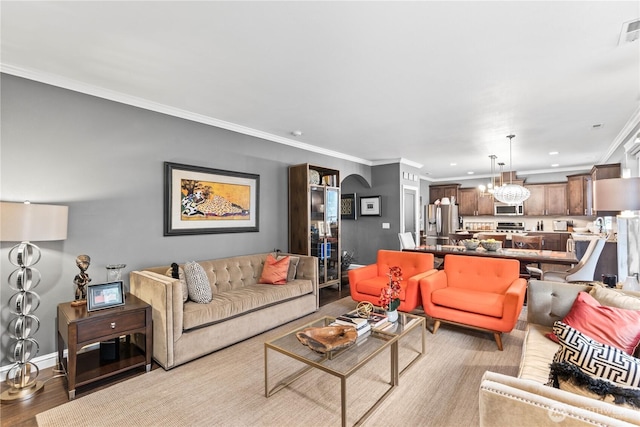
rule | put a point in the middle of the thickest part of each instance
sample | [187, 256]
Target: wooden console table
[78, 328]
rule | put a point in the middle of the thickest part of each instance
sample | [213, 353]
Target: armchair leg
[436, 325]
[498, 338]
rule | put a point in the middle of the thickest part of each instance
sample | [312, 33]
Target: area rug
[226, 388]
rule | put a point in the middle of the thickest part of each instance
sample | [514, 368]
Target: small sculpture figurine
[82, 280]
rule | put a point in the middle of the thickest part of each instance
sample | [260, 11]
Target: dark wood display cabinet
[314, 219]
[79, 328]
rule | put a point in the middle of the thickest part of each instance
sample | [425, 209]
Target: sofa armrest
[506, 400]
[550, 301]
[164, 294]
[428, 284]
[514, 300]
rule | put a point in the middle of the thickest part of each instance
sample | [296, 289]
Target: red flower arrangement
[390, 295]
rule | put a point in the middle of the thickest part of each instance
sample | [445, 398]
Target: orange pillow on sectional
[275, 271]
[617, 327]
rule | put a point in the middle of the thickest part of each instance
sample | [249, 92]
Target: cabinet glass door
[318, 224]
[332, 254]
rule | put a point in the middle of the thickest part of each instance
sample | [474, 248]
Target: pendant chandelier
[487, 190]
[512, 194]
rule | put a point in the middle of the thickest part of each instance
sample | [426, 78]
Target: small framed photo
[348, 206]
[370, 206]
[105, 295]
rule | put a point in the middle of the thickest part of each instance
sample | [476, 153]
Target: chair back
[487, 274]
[526, 242]
[406, 241]
[586, 267]
[495, 236]
[411, 263]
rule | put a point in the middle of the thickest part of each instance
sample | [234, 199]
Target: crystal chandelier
[510, 193]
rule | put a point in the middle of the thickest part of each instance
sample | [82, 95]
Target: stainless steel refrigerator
[440, 221]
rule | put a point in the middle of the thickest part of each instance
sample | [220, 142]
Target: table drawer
[91, 330]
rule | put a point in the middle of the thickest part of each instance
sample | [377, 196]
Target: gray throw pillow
[293, 266]
[197, 283]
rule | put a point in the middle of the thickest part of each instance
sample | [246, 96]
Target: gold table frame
[382, 339]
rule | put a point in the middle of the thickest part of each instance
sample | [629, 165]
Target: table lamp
[26, 222]
[622, 194]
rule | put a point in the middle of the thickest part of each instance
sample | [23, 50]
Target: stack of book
[361, 325]
[375, 320]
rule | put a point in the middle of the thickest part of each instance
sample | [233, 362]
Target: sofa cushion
[473, 301]
[614, 298]
[180, 276]
[597, 321]
[275, 271]
[566, 376]
[197, 283]
[594, 358]
[537, 353]
[235, 302]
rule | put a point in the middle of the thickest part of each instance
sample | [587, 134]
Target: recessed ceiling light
[296, 133]
[555, 165]
[553, 153]
[453, 164]
[470, 173]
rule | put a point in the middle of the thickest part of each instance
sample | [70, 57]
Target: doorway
[410, 212]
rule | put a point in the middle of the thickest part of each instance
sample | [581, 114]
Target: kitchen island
[525, 256]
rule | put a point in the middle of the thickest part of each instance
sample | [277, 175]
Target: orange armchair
[477, 292]
[365, 283]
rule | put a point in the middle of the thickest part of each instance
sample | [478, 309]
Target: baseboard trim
[43, 362]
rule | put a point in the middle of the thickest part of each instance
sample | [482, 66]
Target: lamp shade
[617, 194]
[21, 222]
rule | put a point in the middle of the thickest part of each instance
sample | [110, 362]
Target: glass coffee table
[343, 363]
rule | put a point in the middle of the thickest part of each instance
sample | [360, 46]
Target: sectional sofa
[525, 400]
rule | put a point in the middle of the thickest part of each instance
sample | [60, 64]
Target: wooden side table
[78, 328]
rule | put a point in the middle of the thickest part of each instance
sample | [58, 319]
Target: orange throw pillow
[617, 327]
[275, 271]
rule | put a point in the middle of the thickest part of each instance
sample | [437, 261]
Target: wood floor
[23, 413]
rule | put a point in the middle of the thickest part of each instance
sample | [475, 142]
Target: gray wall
[366, 235]
[105, 161]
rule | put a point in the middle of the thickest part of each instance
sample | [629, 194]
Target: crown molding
[145, 104]
[400, 160]
[625, 133]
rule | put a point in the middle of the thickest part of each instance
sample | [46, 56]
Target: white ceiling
[431, 82]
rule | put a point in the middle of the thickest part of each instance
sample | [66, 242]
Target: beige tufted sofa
[526, 400]
[241, 307]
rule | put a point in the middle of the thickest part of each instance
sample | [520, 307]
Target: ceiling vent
[630, 32]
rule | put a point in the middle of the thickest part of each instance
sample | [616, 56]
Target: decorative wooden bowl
[328, 338]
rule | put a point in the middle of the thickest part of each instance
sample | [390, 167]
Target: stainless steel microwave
[505, 209]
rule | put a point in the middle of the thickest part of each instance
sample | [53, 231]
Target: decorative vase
[392, 316]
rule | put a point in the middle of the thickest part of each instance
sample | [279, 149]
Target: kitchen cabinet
[552, 241]
[579, 194]
[546, 199]
[439, 191]
[314, 218]
[472, 203]
[611, 170]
